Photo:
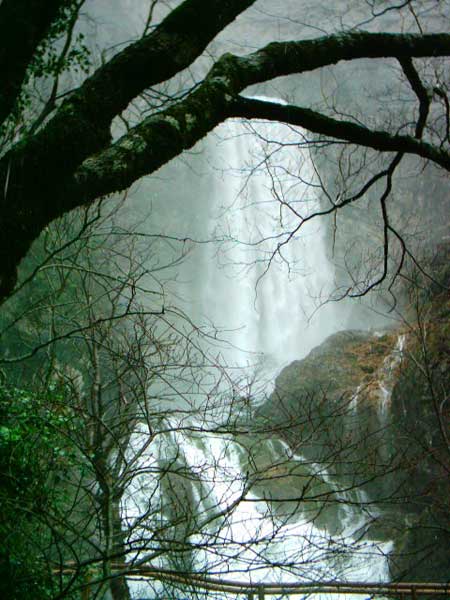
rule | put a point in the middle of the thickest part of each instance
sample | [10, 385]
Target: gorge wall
[372, 407]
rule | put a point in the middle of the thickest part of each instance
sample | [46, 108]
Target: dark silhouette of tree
[69, 159]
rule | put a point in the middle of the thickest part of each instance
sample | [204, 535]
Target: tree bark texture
[72, 161]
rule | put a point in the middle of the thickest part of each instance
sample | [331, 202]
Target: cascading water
[272, 277]
[387, 377]
[226, 529]
[197, 488]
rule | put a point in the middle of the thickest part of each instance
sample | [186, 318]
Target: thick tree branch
[151, 144]
[41, 182]
[23, 25]
[161, 137]
[158, 56]
[421, 92]
[82, 124]
[286, 58]
[344, 130]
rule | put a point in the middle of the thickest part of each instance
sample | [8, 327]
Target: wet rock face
[372, 408]
[332, 406]
[336, 368]
[420, 417]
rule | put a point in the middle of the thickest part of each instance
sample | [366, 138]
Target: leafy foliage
[47, 61]
[33, 451]
[62, 51]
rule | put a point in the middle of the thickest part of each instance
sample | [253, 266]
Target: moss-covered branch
[161, 137]
[340, 129]
[72, 162]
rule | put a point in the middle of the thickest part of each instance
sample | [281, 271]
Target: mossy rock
[333, 372]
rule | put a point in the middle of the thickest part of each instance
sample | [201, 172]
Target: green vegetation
[35, 458]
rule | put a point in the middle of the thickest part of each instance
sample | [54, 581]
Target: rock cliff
[373, 408]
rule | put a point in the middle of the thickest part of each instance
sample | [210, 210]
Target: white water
[267, 318]
[272, 279]
[233, 532]
[262, 289]
[386, 379]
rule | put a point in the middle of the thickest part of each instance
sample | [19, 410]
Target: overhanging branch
[287, 58]
[42, 183]
[161, 137]
[343, 130]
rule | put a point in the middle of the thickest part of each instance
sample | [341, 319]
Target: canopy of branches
[59, 153]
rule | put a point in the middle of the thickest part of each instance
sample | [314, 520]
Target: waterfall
[233, 531]
[263, 283]
[386, 378]
[262, 298]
